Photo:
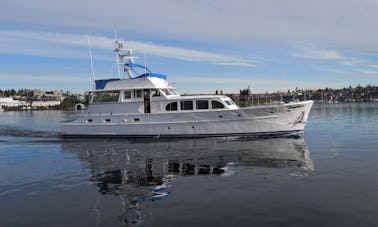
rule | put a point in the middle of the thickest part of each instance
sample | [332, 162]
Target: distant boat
[146, 105]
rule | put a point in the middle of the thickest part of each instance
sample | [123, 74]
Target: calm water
[327, 178]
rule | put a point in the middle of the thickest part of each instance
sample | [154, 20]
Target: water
[327, 178]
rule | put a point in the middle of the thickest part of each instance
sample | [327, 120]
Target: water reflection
[143, 172]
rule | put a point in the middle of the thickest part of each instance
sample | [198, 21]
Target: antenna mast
[125, 58]
[91, 58]
[117, 59]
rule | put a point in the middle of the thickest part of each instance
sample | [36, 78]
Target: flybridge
[125, 57]
[100, 84]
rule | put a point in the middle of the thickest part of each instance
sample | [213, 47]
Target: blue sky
[202, 46]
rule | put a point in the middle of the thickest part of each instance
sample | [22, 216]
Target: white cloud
[310, 51]
[345, 24]
[313, 52]
[49, 44]
[369, 72]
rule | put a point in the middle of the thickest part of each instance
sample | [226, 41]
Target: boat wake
[10, 134]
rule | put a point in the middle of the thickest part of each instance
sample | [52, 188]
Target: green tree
[68, 103]
[12, 92]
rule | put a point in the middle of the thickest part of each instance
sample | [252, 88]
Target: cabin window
[166, 92]
[89, 120]
[228, 102]
[108, 120]
[202, 104]
[127, 94]
[106, 96]
[155, 93]
[187, 105]
[216, 105]
[138, 94]
[171, 106]
[136, 120]
[174, 92]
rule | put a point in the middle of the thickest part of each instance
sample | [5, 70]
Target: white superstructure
[147, 105]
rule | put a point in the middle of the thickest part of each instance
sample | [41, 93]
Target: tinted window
[186, 105]
[155, 93]
[202, 104]
[166, 92]
[216, 105]
[138, 94]
[174, 92]
[228, 102]
[171, 106]
[127, 94]
[106, 96]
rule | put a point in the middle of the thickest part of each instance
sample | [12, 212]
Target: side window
[106, 96]
[171, 106]
[174, 92]
[155, 93]
[229, 102]
[202, 104]
[137, 94]
[127, 94]
[166, 92]
[187, 105]
[216, 105]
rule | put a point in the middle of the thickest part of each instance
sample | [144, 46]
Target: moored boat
[146, 105]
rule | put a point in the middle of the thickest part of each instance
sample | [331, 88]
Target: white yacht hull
[266, 120]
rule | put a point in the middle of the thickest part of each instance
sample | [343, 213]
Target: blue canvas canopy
[161, 76]
[133, 65]
[100, 84]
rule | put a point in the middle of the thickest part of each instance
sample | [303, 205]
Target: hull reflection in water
[141, 172]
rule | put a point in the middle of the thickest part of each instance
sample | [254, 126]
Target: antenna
[145, 60]
[117, 47]
[90, 56]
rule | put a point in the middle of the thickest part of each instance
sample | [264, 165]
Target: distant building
[245, 94]
[45, 103]
[10, 102]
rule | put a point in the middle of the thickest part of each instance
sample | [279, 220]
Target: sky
[201, 45]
